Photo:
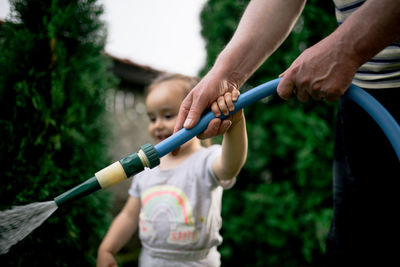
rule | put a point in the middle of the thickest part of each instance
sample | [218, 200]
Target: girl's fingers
[225, 104]
[229, 102]
[235, 95]
[215, 109]
[225, 124]
[222, 105]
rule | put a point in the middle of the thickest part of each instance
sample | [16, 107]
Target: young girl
[177, 205]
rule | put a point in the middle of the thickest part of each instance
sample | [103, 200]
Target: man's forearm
[263, 27]
[369, 29]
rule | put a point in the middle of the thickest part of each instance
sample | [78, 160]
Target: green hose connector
[113, 174]
[135, 162]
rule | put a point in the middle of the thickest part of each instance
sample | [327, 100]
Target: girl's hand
[105, 259]
[224, 103]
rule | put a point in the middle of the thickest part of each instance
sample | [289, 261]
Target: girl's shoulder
[204, 154]
[215, 148]
[203, 158]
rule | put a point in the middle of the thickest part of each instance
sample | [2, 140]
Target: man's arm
[262, 28]
[327, 69]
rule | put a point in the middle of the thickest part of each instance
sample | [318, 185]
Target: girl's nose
[159, 123]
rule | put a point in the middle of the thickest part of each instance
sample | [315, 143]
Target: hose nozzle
[113, 174]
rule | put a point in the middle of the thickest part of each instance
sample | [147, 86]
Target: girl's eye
[169, 116]
[152, 119]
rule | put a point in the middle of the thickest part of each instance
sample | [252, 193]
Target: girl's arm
[234, 143]
[121, 230]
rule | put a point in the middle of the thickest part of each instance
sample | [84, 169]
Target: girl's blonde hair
[187, 83]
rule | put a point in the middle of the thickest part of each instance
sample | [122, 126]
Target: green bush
[53, 78]
[279, 212]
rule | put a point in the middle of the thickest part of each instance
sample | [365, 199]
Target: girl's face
[162, 105]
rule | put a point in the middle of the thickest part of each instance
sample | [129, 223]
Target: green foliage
[52, 93]
[279, 212]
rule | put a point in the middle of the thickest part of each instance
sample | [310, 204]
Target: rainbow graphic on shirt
[174, 203]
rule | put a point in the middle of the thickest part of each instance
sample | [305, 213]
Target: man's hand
[201, 97]
[324, 71]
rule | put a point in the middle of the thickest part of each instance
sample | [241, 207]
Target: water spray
[149, 156]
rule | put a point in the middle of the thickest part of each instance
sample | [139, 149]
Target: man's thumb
[192, 118]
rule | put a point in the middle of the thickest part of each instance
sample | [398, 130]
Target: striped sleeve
[381, 71]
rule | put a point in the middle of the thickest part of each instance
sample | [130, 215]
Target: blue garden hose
[149, 156]
[387, 123]
[381, 116]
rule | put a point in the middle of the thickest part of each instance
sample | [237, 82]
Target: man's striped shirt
[381, 71]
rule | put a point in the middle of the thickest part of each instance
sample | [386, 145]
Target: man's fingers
[197, 108]
[225, 124]
[302, 94]
[215, 127]
[285, 87]
[182, 115]
[183, 112]
[211, 130]
[332, 97]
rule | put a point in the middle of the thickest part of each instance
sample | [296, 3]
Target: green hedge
[53, 78]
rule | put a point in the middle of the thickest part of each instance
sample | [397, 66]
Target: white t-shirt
[180, 215]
